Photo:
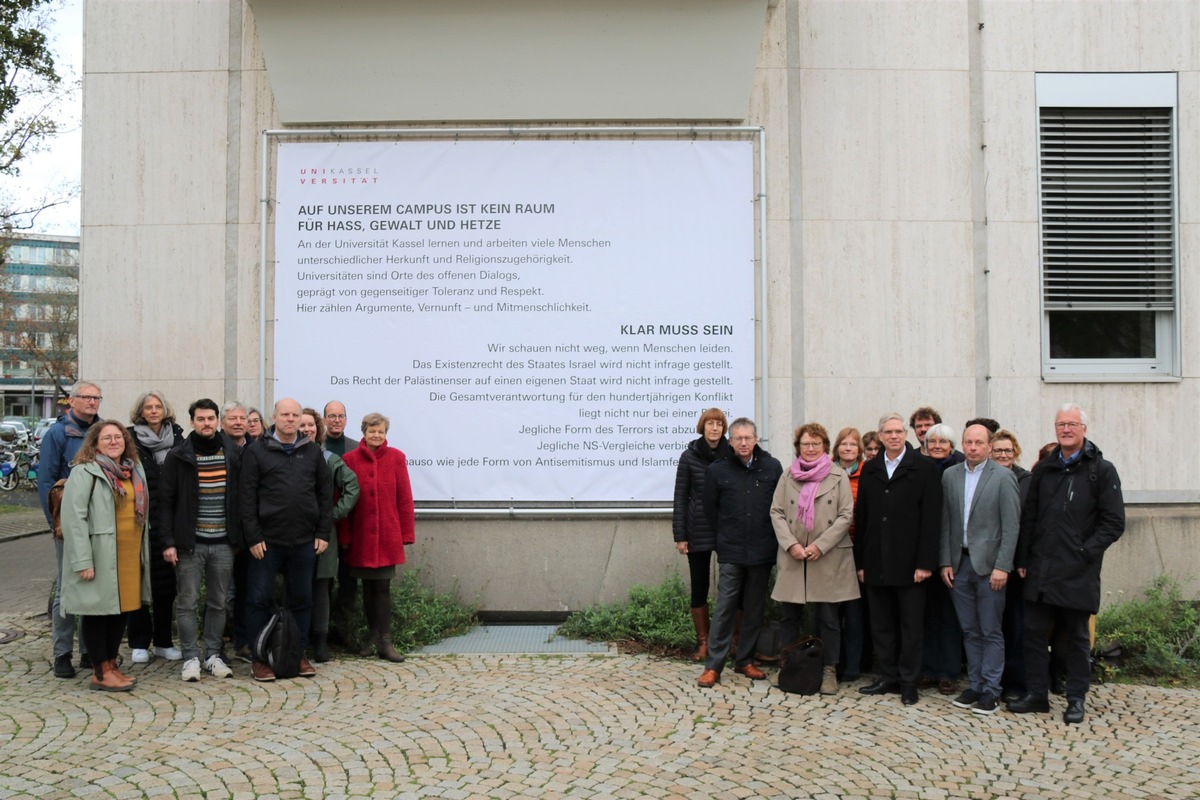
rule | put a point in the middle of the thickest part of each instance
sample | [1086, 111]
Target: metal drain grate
[7, 636]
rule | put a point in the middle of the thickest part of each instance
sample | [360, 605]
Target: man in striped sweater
[199, 527]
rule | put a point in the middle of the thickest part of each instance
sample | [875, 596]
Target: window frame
[1112, 90]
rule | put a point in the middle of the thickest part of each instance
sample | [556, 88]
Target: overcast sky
[59, 164]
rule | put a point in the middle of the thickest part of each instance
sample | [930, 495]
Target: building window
[1108, 226]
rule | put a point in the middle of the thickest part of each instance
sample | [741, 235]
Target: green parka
[345, 490]
[89, 524]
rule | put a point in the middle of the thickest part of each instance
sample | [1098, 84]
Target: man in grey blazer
[981, 519]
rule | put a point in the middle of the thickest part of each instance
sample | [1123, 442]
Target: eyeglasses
[811, 445]
[335, 416]
[111, 439]
[742, 439]
[1068, 425]
[1003, 451]
[89, 398]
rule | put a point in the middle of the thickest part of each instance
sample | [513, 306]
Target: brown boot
[110, 666]
[700, 621]
[104, 680]
[387, 652]
[370, 645]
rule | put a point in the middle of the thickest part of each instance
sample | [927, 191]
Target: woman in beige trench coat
[811, 514]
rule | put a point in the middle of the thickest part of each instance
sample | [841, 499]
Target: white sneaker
[217, 667]
[191, 669]
[169, 653]
[141, 656]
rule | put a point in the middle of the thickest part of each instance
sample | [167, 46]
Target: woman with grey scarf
[154, 433]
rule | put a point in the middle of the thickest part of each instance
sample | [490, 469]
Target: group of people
[936, 551]
[148, 514]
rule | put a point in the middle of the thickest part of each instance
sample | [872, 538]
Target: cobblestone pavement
[576, 726]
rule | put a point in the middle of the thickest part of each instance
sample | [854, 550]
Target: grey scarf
[157, 443]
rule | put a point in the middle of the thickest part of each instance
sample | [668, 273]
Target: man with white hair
[1073, 513]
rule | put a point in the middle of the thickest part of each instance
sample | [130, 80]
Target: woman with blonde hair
[106, 546]
[155, 432]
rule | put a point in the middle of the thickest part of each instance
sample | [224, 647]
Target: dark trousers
[296, 562]
[897, 631]
[853, 638]
[699, 569]
[322, 588]
[943, 634]
[152, 624]
[1014, 635]
[1076, 645]
[343, 600]
[241, 629]
[102, 635]
[737, 585]
[829, 627]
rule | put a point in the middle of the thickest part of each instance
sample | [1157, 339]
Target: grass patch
[1159, 637]
[6, 508]
[653, 618]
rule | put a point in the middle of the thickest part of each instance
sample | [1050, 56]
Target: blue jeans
[214, 564]
[749, 585]
[296, 562]
[981, 613]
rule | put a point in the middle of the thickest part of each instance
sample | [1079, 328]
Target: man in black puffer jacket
[737, 502]
[1075, 510]
[286, 498]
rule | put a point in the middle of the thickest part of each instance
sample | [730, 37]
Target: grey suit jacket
[994, 521]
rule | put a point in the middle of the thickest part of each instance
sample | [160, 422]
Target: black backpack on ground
[278, 644]
[800, 666]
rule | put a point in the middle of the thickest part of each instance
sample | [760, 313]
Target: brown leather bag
[54, 503]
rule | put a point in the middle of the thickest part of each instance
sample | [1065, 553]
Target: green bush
[420, 616]
[1159, 636]
[656, 616]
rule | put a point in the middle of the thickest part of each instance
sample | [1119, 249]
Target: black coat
[1071, 516]
[286, 497]
[179, 498]
[152, 470]
[737, 504]
[688, 524]
[898, 522]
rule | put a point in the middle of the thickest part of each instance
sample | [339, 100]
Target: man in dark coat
[286, 503]
[737, 502]
[898, 517]
[1074, 511]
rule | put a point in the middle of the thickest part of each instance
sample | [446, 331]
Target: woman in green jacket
[105, 546]
[345, 495]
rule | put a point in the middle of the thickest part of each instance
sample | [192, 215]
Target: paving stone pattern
[578, 726]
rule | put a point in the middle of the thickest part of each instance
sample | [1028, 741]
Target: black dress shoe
[908, 695]
[1074, 713]
[880, 686]
[1029, 704]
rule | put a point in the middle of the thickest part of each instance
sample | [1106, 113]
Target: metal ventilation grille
[1108, 232]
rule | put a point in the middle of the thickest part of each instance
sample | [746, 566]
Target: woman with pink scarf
[811, 515]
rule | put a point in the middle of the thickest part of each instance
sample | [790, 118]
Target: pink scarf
[809, 475]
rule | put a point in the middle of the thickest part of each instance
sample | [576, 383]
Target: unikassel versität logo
[348, 175]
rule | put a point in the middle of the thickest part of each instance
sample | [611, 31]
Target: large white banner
[540, 320]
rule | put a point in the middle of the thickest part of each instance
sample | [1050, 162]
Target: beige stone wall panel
[884, 145]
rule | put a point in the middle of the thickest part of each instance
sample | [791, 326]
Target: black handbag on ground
[800, 666]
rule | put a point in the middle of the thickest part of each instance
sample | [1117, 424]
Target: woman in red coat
[373, 535]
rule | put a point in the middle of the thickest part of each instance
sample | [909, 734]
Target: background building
[39, 321]
[950, 218]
